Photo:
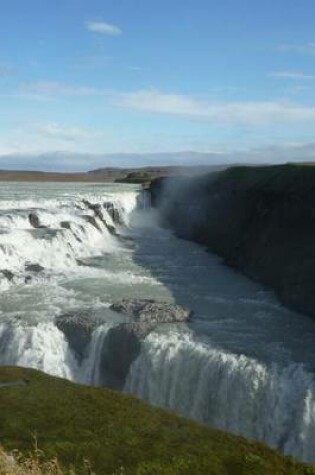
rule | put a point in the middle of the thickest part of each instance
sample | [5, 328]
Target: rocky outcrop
[261, 220]
[35, 221]
[97, 209]
[7, 274]
[123, 345]
[151, 311]
[78, 328]
[36, 268]
[65, 225]
[123, 342]
[113, 212]
[91, 220]
[92, 206]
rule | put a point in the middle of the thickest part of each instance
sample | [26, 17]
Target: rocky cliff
[261, 220]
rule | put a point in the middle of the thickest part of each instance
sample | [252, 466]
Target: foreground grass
[119, 434]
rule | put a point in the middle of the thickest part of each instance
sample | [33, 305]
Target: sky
[86, 78]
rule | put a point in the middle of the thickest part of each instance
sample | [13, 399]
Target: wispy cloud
[64, 133]
[295, 75]
[306, 48]
[251, 113]
[155, 101]
[37, 138]
[103, 28]
[54, 88]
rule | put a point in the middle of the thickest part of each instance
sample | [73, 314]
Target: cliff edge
[261, 220]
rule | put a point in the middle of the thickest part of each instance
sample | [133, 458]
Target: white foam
[56, 248]
[42, 347]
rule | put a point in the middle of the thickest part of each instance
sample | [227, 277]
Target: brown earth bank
[12, 175]
[261, 220]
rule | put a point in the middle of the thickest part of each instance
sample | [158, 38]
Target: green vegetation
[120, 435]
[135, 177]
[287, 178]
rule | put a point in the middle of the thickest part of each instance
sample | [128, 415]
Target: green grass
[120, 435]
[274, 178]
[135, 177]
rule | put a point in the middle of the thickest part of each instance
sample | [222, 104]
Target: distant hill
[106, 174]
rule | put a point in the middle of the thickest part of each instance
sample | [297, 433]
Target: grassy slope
[114, 430]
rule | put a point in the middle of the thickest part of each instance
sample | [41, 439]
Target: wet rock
[91, 220]
[124, 341]
[78, 328]
[99, 214]
[34, 268]
[113, 212]
[77, 238]
[7, 274]
[91, 206]
[108, 205]
[97, 208]
[65, 224]
[80, 262]
[111, 229]
[35, 222]
[144, 310]
[122, 346]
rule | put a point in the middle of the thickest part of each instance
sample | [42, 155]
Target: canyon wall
[261, 220]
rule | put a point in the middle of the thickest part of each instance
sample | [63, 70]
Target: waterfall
[69, 229]
[82, 267]
[235, 393]
[41, 347]
[90, 370]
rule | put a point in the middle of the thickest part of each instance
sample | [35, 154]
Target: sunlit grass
[116, 433]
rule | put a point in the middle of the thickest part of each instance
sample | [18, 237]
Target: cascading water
[90, 372]
[243, 363]
[69, 230]
[230, 392]
[42, 266]
[41, 347]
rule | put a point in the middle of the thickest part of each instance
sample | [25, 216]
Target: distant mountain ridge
[80, 162]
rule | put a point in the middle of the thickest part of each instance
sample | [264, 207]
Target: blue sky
[109, 76]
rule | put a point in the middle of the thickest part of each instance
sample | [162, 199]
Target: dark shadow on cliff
[230, 311]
